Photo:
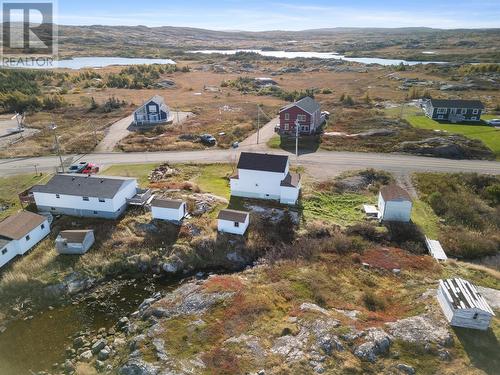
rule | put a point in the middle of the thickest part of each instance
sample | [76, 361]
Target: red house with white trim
[306, 111]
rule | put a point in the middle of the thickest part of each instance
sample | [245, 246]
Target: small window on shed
[475, 316]
[86, 199]
[28, 237]
[42, 226]
[475, 111]
[102, 200]
[236, 224]
[95, 212]
[58, 196]
[4, 251]
[53, 208]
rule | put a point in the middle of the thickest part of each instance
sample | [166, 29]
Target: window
[442, 111]
[42, 226]
[102, 200]
[58, 196]
[86, 199]
[473, 118]
[152, 108]
[4, 251]
[52, 208]
[236, 224]
[287, 127]
[287, 116]
[475, 111]
[28, 237]
[95, 212]
[304, 128]
[440, 117]
[475, 316]
[463, 111]
[301, 118]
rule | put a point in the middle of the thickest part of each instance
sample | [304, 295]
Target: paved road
[120, 129]
[320, 164]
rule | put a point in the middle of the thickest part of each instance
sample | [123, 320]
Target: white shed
[168, 209]
[435, 249]
[74, 241]
[394, 204]
[19, 233]
[232, 221]
[463, 305]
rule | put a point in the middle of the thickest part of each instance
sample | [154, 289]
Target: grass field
[489, 135]
[210, 178]
[10, 187]
[341, 209]
[425, 218]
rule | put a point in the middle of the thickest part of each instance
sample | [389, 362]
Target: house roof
[394, 192]
[463, 295]
[83, 186]
[156, 99]
[263, 162]
[233, 215]
[457, 103]
[291, 180]
[167, 203]
[74, 236]
[19, 225]
[307, 104]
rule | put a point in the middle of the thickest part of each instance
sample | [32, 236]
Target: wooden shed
[463, 305]
[168, 209]
[232, 221]
[74, 242]
[394, 204]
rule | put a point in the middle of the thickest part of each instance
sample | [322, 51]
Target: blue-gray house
[153, 111]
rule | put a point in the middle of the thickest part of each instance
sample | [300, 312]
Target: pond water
[29, 346]
[89, 62]
[320, 55]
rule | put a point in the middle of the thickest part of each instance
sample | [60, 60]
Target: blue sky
[258, 15]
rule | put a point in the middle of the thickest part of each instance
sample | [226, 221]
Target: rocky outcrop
[188, 299]
[447, 146]
[377, 343]
[421, 329]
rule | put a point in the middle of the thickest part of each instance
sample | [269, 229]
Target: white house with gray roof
[265, 176]
[19, 233]
[85, 196]
[463, 305]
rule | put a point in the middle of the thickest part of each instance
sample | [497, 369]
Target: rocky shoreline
[134, 346]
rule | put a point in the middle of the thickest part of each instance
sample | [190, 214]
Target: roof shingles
[19, 225]
[263, 162]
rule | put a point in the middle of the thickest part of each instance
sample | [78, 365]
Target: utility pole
[297, 125]
[402, 109]
[177, 116]
[94, 130]
[36, 169]
[53, 127]
[258, 122]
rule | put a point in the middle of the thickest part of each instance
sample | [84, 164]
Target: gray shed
[74, 241]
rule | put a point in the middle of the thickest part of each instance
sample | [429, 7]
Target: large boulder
[138, 367]
[421, 329]
[377, 343]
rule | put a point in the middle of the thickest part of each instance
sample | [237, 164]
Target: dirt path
[122, 128]
[265, 134]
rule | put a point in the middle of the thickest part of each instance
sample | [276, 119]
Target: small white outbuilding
[463, 305]
[394, 204]
[168, 209]
[232, 221]
[74, 242]
[19, 233]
